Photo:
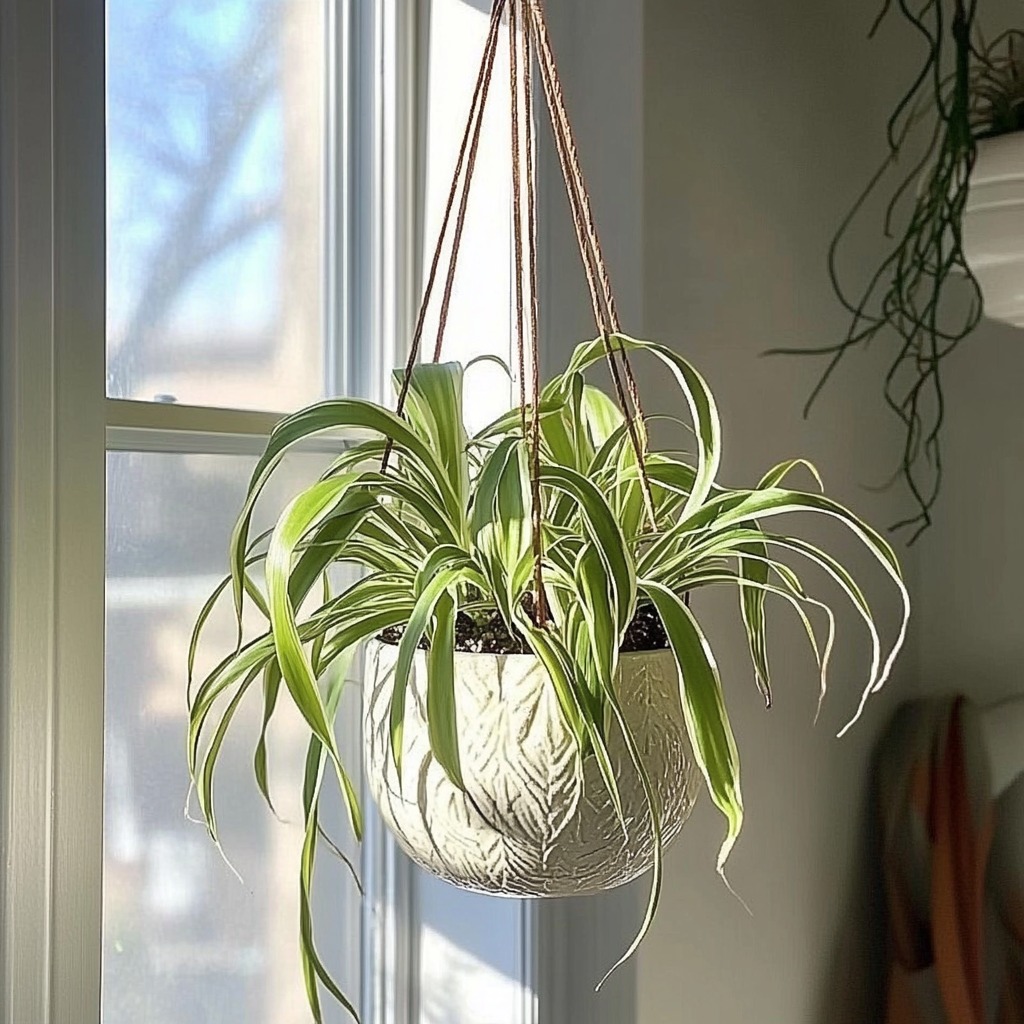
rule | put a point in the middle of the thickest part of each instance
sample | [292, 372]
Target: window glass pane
[480, 318]
[215, 201]
[184, 941]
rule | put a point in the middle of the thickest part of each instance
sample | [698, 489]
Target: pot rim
[466, 656]
[1005, 141]
[999, 162]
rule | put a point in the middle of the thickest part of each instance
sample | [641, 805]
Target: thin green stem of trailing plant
[923, 292]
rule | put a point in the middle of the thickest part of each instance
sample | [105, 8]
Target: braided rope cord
[529, 43]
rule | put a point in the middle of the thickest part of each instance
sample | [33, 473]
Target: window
[206, 219]
[132, 402]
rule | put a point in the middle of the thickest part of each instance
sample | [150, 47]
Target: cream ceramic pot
[535, 820]
[993, 226]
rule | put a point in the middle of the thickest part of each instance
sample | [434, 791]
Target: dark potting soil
[489, 635]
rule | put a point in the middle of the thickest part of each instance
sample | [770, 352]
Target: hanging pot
[536, 819]
[993, 226]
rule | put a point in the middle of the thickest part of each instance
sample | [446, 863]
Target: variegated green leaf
[707, 721]
[441, 717]
[449, 528]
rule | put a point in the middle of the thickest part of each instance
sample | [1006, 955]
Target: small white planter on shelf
[993, 226]
[535, 820]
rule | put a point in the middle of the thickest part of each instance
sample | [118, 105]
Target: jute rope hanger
[528, 41]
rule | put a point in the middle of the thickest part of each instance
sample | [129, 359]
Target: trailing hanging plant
[924, 292]
[555, 536]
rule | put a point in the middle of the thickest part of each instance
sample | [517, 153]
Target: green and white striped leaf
[707, 720]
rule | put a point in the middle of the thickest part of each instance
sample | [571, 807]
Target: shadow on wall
[854, 983]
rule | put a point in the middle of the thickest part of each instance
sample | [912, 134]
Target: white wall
[762, 121]
[971, 604]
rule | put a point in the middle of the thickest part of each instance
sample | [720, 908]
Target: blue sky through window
[194, 169]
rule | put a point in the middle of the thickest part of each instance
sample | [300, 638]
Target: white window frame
[55, 431]
[52, 329]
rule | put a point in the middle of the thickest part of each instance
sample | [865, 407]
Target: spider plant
[446, 530]
[923, 293]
